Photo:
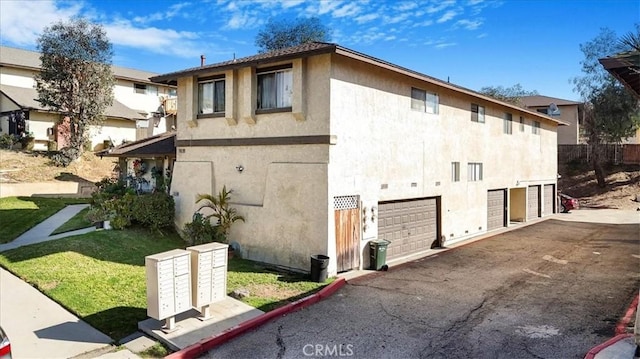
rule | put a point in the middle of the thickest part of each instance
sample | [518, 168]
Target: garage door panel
[533, 202]
[496, 203]
[549, 199]
[414, 225]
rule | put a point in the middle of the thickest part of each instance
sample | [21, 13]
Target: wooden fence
[617, 154]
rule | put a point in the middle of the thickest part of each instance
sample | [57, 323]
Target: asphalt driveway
[550, 290]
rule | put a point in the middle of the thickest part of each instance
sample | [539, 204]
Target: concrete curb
[207, 344]
[620, 330]
[597, 349]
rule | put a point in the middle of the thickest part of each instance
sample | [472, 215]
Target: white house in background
[131, 117]
[570, 112]
[327, 149]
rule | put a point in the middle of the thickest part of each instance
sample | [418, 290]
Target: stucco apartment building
[327, 149]
[569, 112]
[129, 118]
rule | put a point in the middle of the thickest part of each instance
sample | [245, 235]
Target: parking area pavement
[554, 289]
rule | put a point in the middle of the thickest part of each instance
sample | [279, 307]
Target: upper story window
[172, 92]
[211, 96]
[521, 124]
[474, 171]
[145, 89]
[477, 113]
[275, 88]
[507, 124]
[424, 101]
[535, 127]
[455, 171]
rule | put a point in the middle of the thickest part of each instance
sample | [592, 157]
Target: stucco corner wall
[290, 225]
[194, 177]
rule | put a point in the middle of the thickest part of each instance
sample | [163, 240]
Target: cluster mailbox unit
[209, 275]
[179, 279]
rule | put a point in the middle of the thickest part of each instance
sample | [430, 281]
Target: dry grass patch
[29, 167]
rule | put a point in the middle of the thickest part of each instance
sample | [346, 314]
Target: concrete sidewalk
[38, 327]
[41, 232]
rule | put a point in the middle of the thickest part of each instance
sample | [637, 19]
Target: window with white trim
[211, 96]
[145, 89]
[535, 127]
[455, 171]
[474, 171]
[507, 124]
[521, 124]
[275, 89]
[477, 113]
[424, 101]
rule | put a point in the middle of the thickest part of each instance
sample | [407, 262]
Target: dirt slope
[18, 167]
[623, 186]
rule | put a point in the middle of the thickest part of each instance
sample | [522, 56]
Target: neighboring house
[570, 112]
[327, 149]
[131, 117]
[145, 162]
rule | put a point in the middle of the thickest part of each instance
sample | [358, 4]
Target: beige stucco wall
[17, 77]
[282, 190]
[567, 135]
[116, 130]
[286, 192]
[381, 140]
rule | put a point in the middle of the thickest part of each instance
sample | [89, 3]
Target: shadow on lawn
[128, 246]
[117, 322]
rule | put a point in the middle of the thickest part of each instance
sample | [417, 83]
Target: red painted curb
[207, 344]
[595, 350]
[624, 322]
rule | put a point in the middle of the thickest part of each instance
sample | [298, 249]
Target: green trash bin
[378, 254]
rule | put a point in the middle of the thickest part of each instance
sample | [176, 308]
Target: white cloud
[161, 41]
[469, 24]
[442, 45]
[290, 3]
[347, 10]
[396, 18]
[244, 20]
[424, 23]
[21, 22]
[327, 6]
[450, 14]
[406, 6]
[441, 6]
[475, 2]
[366, 18]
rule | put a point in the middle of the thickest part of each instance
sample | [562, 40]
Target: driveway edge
[207, 344]
[620, 330]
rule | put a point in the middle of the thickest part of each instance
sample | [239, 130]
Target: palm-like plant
[220, 205]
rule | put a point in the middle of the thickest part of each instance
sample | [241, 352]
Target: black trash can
[319, 264]
[378, 254]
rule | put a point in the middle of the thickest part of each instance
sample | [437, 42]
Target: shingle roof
[626, 68]
[26, 98]
[307, 49]
[543, 101]
[31, 59]
[315, 48]
[154, 146]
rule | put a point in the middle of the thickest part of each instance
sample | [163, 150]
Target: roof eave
[172, 78]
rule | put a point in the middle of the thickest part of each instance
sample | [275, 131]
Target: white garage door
[410, 225]
[533, 202]
[496, 209]
[549, 199]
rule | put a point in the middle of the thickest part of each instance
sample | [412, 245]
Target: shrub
[155, 210]
[200, 231]
[7, 141]
[65, 156]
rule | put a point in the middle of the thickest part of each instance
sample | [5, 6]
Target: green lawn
[20, 214]
[76, 222]
[100, 276]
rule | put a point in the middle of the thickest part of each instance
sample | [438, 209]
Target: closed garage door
[410, 225]
[533, 202]
[496, 213]
[549, 199]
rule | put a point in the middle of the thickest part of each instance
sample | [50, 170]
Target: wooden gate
[347, 221]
